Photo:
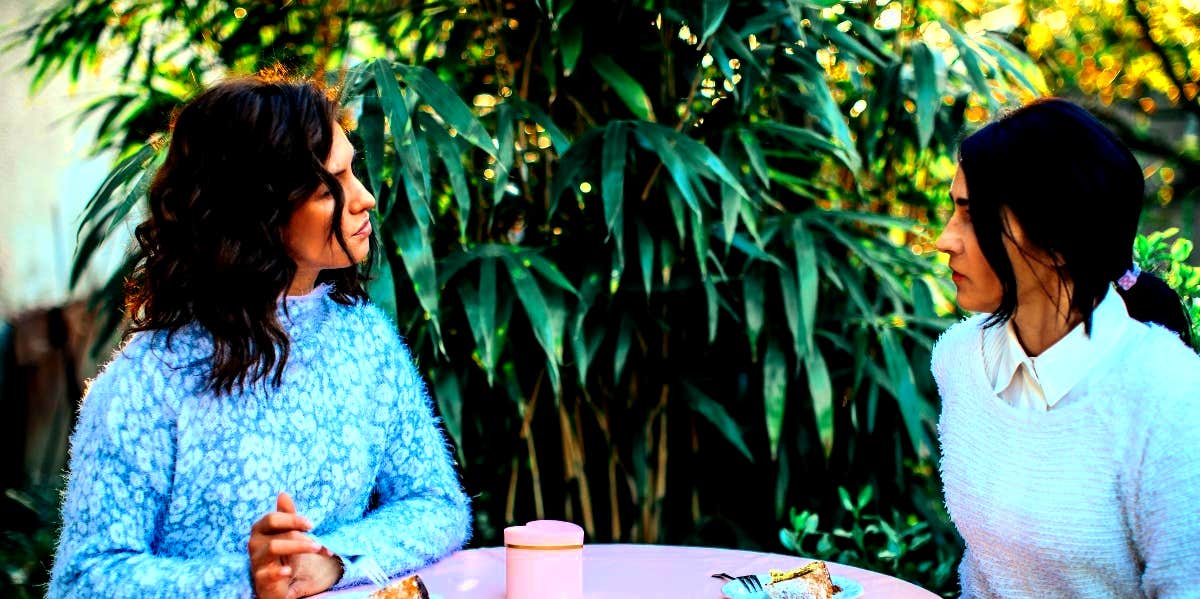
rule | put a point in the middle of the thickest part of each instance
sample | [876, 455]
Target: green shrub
[29, 523]
[900, 545]
[1166, 257]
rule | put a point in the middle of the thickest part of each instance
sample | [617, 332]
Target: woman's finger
[272, 573]
[284, 503]
[279, 522]
[292, 547]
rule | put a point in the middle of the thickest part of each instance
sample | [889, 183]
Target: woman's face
[979, 288]
[309, 234]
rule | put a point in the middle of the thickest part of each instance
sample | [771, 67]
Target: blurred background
[667, 264]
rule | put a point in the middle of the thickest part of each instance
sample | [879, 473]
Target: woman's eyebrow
[961, 201]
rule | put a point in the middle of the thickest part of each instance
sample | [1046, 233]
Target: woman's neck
[303, 282]
[1040, 321]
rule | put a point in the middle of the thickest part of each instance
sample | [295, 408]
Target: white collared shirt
[1038, 383]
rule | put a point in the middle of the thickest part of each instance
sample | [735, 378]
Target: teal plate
[734, 589]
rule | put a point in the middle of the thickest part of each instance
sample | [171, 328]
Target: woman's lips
[364, 230]
[957, 278]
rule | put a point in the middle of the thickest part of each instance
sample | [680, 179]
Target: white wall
[46, 177]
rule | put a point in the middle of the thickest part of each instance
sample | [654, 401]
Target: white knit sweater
[1098, 497]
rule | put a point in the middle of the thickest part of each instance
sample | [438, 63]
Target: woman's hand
[277, 542]
[314, 573]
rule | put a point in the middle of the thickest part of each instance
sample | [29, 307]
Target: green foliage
[749, 290]
[899, 544]
[1158, 253]
[28, 540]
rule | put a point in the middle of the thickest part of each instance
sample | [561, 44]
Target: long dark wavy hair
[243, 155]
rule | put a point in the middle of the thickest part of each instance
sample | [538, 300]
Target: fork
[750, 581]
[373, 571]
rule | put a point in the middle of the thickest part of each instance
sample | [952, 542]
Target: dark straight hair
[1077, 193]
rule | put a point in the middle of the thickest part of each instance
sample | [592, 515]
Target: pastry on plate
[405, 588]
[807, 582]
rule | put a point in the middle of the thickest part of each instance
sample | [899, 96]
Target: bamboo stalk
[511, 501]
[538, 507]
[660, 487]
[585, 490]
[614, 507]
[695, 460]
[568, 462]
[573, 465]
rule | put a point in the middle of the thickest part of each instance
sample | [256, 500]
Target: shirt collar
[1060, 368]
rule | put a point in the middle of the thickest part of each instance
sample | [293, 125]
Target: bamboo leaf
[448, 105]
[928, 99]
[752, 301]
[450, 153]
[621, 351]
[480, 308]
[395, 106]
[814, 89]
[571, 166]
[696, 155]
[612, 172]
[711, 297]
[730, 209]
[120, 175]
[413, 247]
[382, 286]
[370, 128]
[450, 404]
[715, 413]
[676, 167]
[645, 254]
[913, 409]
[136, 196]
[851, 46]
[999, 49]
[533, 301]
[626, 87]
[504, 160]
[806, 279]
[774, 393]
[792, 311]
[713, 13]
[550, 272]
[970, 60]
[755, 154]
[572, 46]
[584, 343]
[820, 387]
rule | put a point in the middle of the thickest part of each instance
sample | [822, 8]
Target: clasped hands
[286, 563]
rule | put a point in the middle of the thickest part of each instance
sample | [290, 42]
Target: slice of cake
[405, 588]
[807, 582]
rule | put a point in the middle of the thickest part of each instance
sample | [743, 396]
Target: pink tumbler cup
[543, 560]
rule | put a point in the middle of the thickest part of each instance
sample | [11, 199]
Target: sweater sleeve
[122, 457]
[1166, 530]
[420, 513]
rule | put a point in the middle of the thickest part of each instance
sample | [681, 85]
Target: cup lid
[544, 533]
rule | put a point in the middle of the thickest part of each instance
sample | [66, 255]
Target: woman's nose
[948, 242]
[362, 200]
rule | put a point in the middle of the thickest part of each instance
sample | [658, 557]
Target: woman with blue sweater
[1070, 424]
[263, 431]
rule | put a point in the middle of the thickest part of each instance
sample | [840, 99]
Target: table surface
[611, 571]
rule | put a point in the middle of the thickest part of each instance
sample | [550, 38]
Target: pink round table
[611, 571]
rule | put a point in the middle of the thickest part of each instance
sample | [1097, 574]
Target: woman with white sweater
[1070, 426]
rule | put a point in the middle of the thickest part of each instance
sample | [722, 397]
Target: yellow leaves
[1039, 40]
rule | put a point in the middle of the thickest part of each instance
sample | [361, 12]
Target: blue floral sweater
[167, 479]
